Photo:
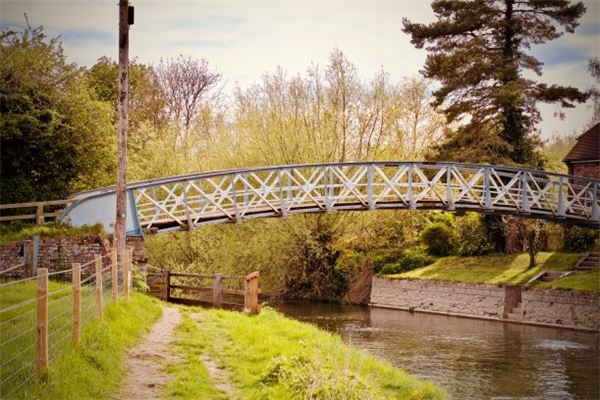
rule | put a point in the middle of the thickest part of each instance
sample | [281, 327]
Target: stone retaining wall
[538, 306]
[58, 253]
[561, 307]
[11, 253]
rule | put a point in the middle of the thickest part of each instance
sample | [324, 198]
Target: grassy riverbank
[95, 368]
[229, 355]
[21, 231]
[499, 269]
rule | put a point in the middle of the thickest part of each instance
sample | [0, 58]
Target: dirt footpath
[145, 377]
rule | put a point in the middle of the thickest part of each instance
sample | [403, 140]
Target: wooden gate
[234, 292]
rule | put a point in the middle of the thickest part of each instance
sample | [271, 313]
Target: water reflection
[472, 359]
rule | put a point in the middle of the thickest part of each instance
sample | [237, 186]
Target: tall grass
[272, 357]
[95, 368]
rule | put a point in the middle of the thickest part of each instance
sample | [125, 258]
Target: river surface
[471, 359]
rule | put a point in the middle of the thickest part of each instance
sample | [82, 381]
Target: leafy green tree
[555, 150]
[478, 50]
[55, 137]
[146, 98]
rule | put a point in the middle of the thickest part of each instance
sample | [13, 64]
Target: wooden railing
[39, 216]
[192, 289]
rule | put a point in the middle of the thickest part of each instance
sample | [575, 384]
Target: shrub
[384, 260]
[412, 258]
[472, 236]
[442, 217]
[579, 239]
[439, 238]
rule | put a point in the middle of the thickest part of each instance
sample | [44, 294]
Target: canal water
[471, 359]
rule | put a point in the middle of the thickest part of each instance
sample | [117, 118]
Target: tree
[185, 83]
[56, 138]
[594, 68]
[530, 233]
[146, 99]
[478, 50]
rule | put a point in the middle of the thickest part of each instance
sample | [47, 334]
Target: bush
[579, 239]
[472, 236]
[439, 238]
[412, 258]
[382, 261]
[442, 217]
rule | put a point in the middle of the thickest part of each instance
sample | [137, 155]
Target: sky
[244, 39]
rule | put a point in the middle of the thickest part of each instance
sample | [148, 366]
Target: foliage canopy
[479, 51]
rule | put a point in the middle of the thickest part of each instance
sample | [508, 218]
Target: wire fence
[43, 315]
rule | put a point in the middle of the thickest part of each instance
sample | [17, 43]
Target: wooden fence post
[39, 214]
[251, 293]
[167, 277]
[28, 254]
[76, 328]
[126, 274]
[114, 272]
[42, 321]
[99, 288]
[217, 290]
[130, 273]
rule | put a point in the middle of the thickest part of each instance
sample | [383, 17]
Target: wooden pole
[130, 272]
[99, 289]
[42, 321]
[76, 328]
[28, 254]
[114, 272]
[167, 289]
[121, 209]
[217, 291]
[251, 293]
[127, 275]
[39, 214]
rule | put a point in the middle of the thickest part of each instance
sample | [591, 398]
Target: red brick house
[584, 157]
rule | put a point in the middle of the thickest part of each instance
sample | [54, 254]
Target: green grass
[98, 356]
[19, 231]
[95, 368]
[585, 281]
[270, 356]
[18, 329]
[499, 269]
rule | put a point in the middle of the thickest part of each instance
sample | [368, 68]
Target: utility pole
[119, 234]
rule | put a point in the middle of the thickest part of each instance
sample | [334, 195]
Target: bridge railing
[236, 195]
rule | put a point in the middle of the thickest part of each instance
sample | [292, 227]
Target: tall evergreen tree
[479, 51]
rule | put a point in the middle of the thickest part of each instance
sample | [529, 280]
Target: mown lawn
[586, 281]
[270, 356]
[505, 269]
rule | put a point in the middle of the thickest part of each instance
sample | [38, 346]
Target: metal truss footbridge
[188, 201]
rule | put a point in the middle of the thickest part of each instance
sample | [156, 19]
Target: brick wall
[541, 306]
[59, 253]
[588, 169]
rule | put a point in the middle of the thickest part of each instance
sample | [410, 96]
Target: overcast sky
[244, 39]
